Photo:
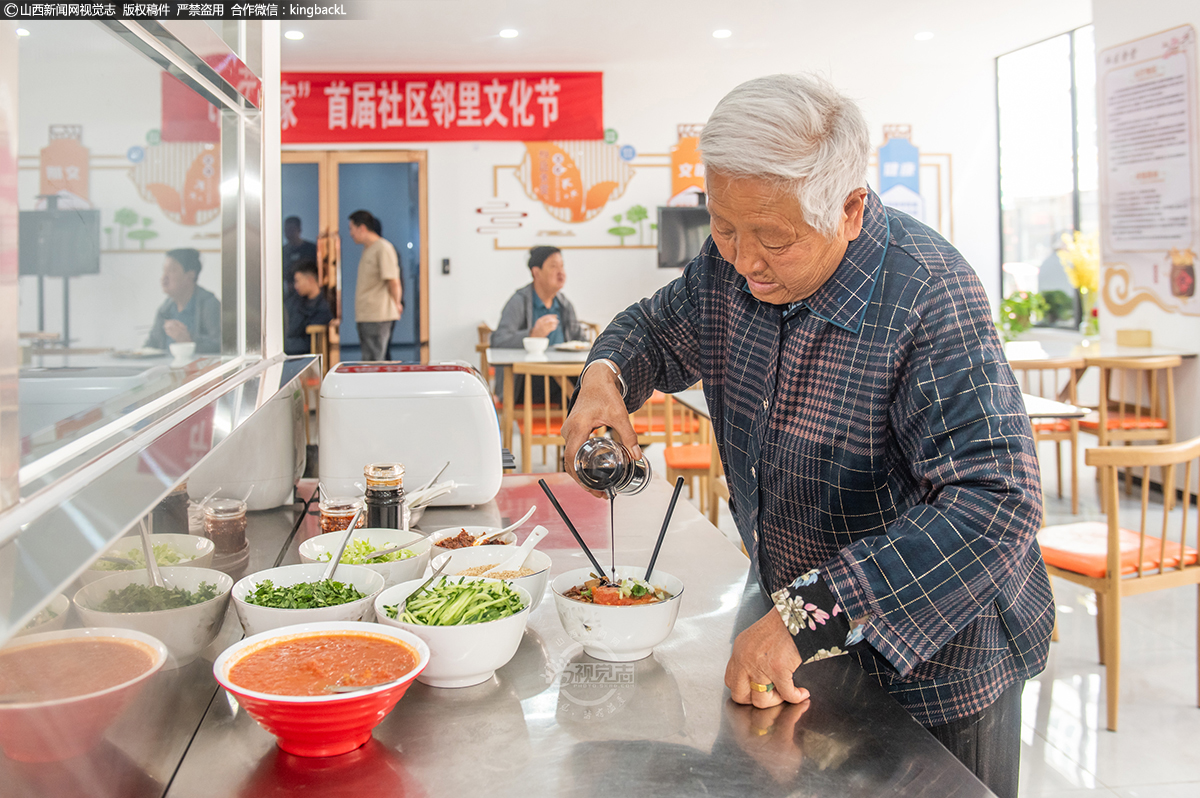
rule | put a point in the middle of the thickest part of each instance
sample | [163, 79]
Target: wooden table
[1029, 354]
[505, 358]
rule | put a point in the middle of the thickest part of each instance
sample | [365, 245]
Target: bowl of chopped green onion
[186, 614]
[472, 626]
[192, 551]
[294, 594]
[397, 567]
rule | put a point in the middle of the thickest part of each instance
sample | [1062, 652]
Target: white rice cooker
[418, 415]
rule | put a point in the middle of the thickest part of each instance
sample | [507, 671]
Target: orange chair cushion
[693, 457]
[657, 398]
[1060, 425]
[1082, 548]
[1122, 421]
[641, 425]
[540, 427]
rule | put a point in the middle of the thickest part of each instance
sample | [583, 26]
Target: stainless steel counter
[553, 721]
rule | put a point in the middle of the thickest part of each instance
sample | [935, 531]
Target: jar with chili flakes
[336, 513]
[225, 526]
[384, 495]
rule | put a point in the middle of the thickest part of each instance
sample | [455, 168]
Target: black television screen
[60, 243]
[681, 234]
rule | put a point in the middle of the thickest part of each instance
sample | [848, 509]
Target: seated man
[191, 313]
[538, 310]
[306, 306]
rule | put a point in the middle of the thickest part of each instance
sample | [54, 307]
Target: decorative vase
[1089, 326]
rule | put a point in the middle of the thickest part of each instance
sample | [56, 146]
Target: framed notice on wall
[1150, 173]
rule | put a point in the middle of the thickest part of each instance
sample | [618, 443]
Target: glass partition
[135, 228]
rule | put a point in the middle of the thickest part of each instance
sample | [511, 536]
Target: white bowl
[256, 619]
[534, 584]
[535, 346]
[393, 573]
[186, 631]
[197, 552]
[617, 634]
[60, 605]
[459, 656]
[182, 352]
[508, 538]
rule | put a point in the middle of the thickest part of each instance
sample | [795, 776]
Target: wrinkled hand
[177, 331]
[599, 404]
[764, 653]
[544, 326]
[768, 736]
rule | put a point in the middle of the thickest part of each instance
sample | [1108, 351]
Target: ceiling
[585, 34]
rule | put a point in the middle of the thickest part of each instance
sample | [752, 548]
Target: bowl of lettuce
[170, 550]
[400, 566]
[186, 614]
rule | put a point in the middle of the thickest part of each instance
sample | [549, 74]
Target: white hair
[798, 131]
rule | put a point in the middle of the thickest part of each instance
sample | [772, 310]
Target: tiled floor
[1067, 751]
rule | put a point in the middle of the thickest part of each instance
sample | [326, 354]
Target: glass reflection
[120, 232]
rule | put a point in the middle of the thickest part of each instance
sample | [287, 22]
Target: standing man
[538, 310]
[295, 251]
[190, 313]
[377, 299]
[881, 464]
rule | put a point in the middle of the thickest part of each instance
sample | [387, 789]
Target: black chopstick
[666, 522]
[570, 526]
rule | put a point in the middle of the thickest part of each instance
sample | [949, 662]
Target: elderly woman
[880, 461]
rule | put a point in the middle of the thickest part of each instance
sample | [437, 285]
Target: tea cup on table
[182, 352]
[536, 346]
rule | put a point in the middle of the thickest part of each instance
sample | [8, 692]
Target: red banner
[329, 107]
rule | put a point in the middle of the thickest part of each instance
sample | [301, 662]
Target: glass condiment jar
[171, 514]
[336, 513]
[604, 464]
[225, 524]
[384, 495]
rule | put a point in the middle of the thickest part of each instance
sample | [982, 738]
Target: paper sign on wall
[1150, 173]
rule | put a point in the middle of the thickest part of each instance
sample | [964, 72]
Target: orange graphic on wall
[64, 163]
[687, 169]
[183, 178]
[573, 180]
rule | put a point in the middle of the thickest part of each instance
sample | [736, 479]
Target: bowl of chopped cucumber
[395, 567]
[186, 614]
[294, 594]
[191, 551]
[472, 626]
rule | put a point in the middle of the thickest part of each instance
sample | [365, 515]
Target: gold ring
[762, 688]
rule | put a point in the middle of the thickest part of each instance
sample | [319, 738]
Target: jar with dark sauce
[225, 524]
[336, 513]
[384, 495]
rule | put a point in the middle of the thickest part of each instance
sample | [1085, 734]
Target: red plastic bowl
[323, 725]
[49, 731]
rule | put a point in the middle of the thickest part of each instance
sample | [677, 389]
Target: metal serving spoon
[336, 559]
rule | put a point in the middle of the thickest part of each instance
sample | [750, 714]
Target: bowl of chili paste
[60, 691]
[285, 679]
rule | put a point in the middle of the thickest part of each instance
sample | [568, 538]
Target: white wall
[1118, 21]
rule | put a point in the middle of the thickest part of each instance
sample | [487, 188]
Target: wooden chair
[662, 420]
[591, 330]
[485, 340]
[1122, 415]
[541, 424]
[1116, 562]
[1054, 378]
[318, 344]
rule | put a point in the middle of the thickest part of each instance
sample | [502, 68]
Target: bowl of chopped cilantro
[186, 615]
[472, 626]
[294, 594]
[399, 566]
[169, 549]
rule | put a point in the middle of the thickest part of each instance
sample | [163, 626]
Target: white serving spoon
[509, 528]
[517, 560]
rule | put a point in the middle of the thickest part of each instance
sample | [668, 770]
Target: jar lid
[341, 504]
[224, 508]
[384, 474]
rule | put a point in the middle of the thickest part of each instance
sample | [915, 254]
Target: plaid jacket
[874, 431]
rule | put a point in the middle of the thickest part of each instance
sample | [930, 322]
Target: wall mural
[920, 184]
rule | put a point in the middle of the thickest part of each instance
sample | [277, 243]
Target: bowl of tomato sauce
[60, 691]
[285, 679]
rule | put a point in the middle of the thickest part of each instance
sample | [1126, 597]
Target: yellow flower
[1080, 258]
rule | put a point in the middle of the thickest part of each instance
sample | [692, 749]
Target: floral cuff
[813, 618]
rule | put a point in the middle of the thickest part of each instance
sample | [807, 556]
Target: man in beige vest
[377, 298]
